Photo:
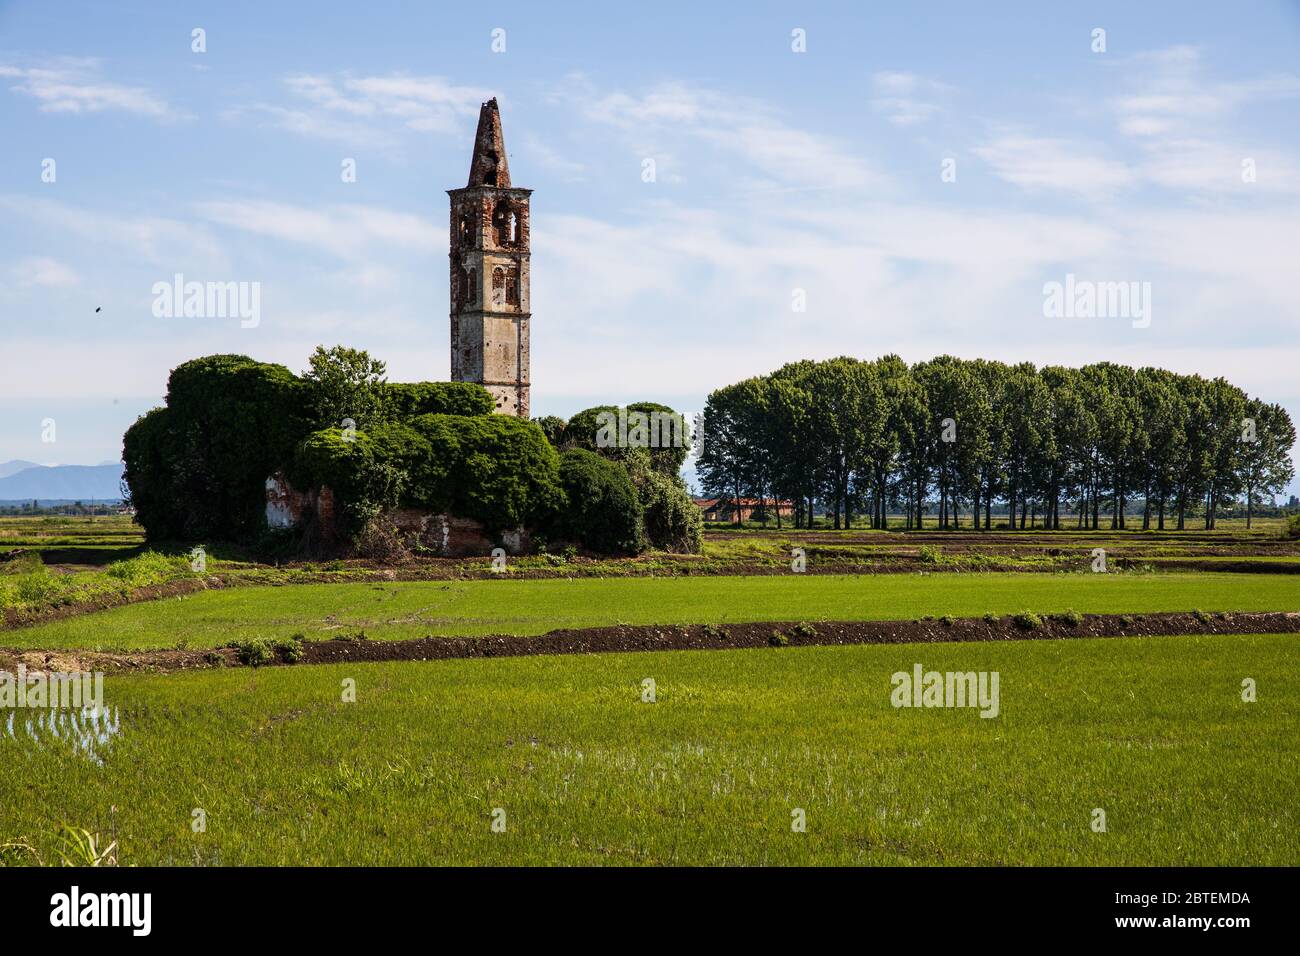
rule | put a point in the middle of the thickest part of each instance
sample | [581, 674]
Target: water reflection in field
[88, 732]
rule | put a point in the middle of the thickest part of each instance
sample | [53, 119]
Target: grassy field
[417, 609]
[1153, 731]
[106, 532]
[60, 562]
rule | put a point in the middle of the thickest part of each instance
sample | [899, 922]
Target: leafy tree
[552, 427]
[1226, 407]
[1266, 466]
[790, 446]
[1025, 418]
[344, 383]
[728, 466]
[611, 431]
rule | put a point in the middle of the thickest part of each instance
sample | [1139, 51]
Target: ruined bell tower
[489, 273]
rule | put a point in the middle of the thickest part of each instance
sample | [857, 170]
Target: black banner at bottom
[338, 904]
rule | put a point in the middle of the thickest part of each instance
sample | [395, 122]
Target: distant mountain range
[26, 480]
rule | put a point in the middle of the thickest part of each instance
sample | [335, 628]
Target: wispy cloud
[1184, 125]
[753, 144]
[343, 230]
[69, 85]
[1178, 133]
[44, 271]
[1038, 163]
[906, 99]
[349, 107]
[142, 238]
[1170, 93]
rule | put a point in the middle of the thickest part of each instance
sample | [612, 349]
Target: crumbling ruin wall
[444, 535]
[451, 537]
[287, 507]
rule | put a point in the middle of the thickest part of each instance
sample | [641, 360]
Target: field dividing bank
[1153, 732]
[528, 607]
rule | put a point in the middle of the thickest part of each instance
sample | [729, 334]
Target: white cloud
[754, 146]
[353, 108]
[149, 238]
[43, 271]
[1201, 166]
[905, 98]
[1169, 92]
[567, 168]
[76, 86]
[347, 231]
[1177, 135]
[1182, 123]
[1044, 163]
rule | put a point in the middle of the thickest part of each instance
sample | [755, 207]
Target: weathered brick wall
[453, 537]
[445, 535]
[287, 507]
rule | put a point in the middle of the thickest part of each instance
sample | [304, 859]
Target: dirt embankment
[626, 638]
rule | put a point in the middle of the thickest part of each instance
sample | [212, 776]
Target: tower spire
[489, 167]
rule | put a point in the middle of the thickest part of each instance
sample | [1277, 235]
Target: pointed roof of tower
[489, 167]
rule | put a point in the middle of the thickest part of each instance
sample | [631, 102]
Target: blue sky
[775, 171]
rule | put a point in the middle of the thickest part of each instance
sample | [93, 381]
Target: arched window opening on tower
[463, 287]
[505, 286]
[498, 286]
[506, 223]
[512, 285]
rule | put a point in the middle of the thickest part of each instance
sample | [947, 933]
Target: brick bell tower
[489, 273]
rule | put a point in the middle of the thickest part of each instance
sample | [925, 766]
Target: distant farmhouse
[737, 510]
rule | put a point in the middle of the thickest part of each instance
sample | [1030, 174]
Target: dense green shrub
[602, 511]
[198, 468]
[406, 400]
[152, 467]
[671, 520]
[496, 469]
[660, 431]
[363, 484]
[552, 427]
[399, 445]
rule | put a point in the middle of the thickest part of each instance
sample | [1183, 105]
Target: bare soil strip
[696, 637]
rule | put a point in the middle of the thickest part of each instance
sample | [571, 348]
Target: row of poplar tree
[852, 437]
